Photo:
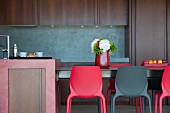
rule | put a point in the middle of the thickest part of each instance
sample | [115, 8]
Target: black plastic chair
[130, 81]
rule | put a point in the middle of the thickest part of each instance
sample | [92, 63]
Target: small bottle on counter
[15, 50]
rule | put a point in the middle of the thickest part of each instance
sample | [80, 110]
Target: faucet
[6, 49]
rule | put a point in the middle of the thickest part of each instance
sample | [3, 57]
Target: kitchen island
[28, 86]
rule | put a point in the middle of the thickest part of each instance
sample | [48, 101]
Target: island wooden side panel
[14, 75]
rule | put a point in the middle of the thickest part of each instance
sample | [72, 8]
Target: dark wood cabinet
[64, 12]
[2, 12]
[100, 12]
[148, 31]
[113, 12]
[52, 12]
[21, 12]
[81, 12]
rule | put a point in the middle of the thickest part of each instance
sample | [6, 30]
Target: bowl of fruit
[151, 63]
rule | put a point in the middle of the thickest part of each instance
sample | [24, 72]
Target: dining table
[154, 75]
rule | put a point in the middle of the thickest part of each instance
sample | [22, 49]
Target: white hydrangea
[104, 44]
[92, 45]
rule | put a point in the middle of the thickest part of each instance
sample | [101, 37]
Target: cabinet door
[149, 30]
[53, 12]
[27, 91]
[81, 12]
[113, 12]
[21, 12]
[2, 12]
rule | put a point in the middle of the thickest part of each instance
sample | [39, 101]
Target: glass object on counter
[15, 50]
[22, 54]
[39, 54]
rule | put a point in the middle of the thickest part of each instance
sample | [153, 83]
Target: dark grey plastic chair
[130, 81]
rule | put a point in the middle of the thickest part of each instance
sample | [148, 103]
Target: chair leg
[104, 105]
[153, 100]
[107, 99]
[160, 104]
[156, 104]
[141, 106]
[68, 109]
[99, 105]
[137, 104]
[150, 106]
[112, 106]
[111, 103]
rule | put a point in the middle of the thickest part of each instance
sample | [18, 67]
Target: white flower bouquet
[102, 45]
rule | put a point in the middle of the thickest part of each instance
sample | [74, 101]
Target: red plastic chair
[111, 88]
[86, 82]
[165, 90]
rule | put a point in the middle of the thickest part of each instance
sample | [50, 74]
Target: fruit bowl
[155, 63]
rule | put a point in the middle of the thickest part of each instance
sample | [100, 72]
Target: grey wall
[69, 43]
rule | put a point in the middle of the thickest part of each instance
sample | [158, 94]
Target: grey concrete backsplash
[68, 43]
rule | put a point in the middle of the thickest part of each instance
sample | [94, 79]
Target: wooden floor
[119, 109]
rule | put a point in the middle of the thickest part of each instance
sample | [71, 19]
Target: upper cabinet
[64, 12]
[21, 12]
[81, 12]
[2, 12]
[113, 12]
[52, 12]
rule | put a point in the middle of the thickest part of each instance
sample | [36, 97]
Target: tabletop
[64, 72]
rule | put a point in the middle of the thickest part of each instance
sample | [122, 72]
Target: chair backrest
[131, 81]
[85, 80]
[116, 65]
[166, 80]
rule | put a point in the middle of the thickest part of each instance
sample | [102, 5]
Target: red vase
[103, 60]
